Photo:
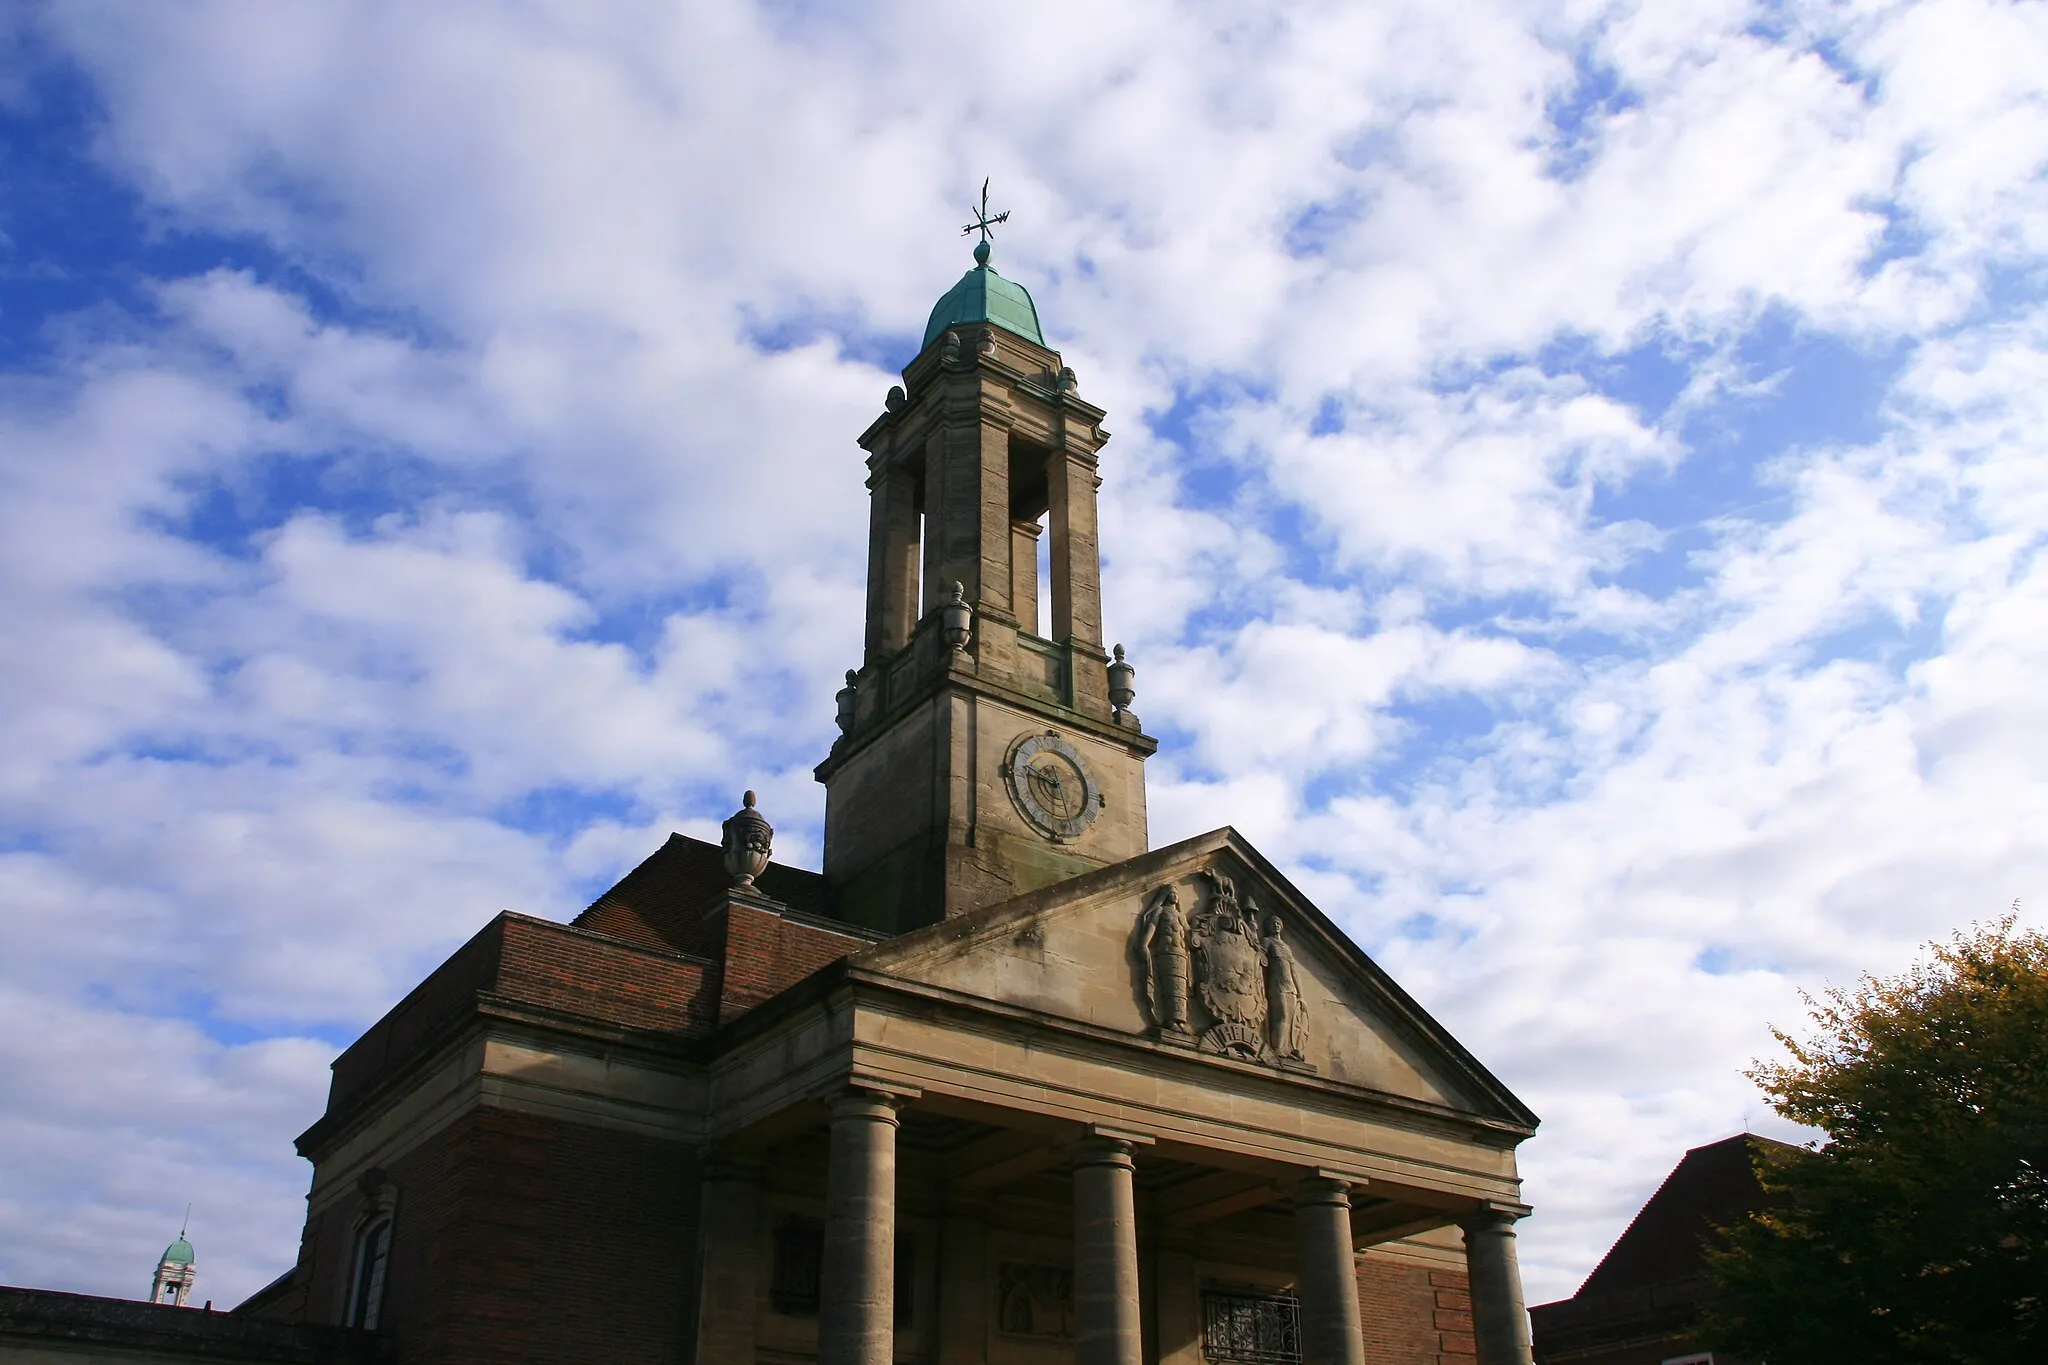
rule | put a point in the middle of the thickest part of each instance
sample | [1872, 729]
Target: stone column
[963, 1282]
[1331, 1333]
[1499, 1321]
[1106, 1321]
[729, 1256]
[857, 1286]
[992, 521]
[967, 510]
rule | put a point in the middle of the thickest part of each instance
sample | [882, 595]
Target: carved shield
[1232, 980]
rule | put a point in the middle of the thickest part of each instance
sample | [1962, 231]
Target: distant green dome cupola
[984, 296]
[178, 1252]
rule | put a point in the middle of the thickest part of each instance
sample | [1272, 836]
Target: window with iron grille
[799, 1256]
[1257, 1329]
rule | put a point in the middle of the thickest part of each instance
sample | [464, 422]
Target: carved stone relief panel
[1221, 976]
[1035, 1301]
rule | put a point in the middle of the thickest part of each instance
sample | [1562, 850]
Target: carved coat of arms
[1240, 971]
[1229, 972]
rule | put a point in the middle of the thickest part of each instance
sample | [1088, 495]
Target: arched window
[366, 1286]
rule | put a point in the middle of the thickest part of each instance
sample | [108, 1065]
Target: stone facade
[1002, 1085]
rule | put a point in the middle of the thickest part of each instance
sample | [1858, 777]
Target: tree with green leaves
[1918, 1229]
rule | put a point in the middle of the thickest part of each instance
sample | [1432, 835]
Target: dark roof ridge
[1662, 1242]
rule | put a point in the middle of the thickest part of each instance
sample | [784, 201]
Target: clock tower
[978, 757]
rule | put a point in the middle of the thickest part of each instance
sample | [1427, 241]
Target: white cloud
[520, 510]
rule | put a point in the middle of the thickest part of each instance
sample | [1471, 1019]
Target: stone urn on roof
[748, 840]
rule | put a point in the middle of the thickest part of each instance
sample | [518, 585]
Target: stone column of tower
[982, 764]
[175, 1272]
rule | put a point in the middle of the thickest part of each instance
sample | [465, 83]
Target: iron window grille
[799, 1257]
[1251, 1329]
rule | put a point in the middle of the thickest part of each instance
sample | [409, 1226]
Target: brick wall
[520, 1238]
[1414, 1315]
[764, 954]
[535, 962]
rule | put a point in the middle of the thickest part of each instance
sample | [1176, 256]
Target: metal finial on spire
[983, 221]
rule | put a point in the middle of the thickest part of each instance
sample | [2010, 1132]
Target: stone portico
[989, 1105]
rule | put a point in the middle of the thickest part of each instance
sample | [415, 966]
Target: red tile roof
[661, 903]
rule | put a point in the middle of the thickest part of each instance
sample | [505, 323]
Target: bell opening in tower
[1031, 564]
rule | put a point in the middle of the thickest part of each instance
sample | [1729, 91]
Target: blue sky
[1575, 500]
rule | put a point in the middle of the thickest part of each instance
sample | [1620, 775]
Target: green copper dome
[984, 296]
[178, 1252]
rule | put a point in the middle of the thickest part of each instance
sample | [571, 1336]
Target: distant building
[1640, 1304]
[175, 1272]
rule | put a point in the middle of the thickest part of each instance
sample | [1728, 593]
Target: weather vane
[982, 221]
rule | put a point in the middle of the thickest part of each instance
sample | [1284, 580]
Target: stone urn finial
[749, 839]
[1121, 693]
[846, 702]
[956, 619]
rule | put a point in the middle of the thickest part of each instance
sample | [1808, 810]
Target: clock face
[1052, 786]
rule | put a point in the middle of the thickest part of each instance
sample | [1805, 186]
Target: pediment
[1203, 945]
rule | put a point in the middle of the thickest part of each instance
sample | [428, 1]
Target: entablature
[977, 1059]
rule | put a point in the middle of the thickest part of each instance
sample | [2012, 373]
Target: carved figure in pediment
[1229, 973]
[1286, 1019]
[1162, 945]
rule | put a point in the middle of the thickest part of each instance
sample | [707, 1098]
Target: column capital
[1327, 1187]
[876, 1103]
[1105, 1145]
[1495, 1215]
[1103, 1151]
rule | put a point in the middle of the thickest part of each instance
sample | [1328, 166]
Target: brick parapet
[525, 961]
[765, 951]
